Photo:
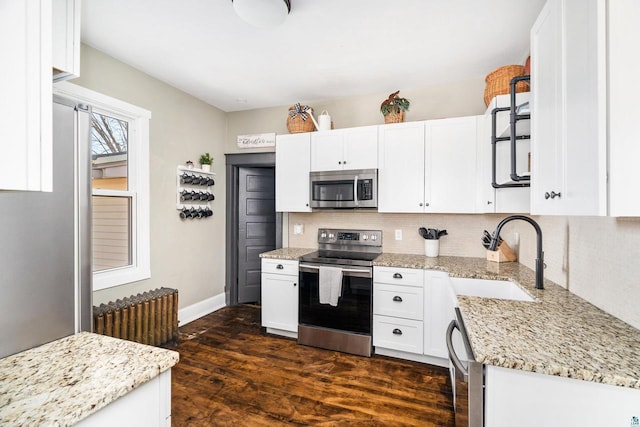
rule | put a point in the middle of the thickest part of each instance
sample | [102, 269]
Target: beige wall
[430, 102]
[187, 255]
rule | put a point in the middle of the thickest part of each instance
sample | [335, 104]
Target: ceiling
[326, 49]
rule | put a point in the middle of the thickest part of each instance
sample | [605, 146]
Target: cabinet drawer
[398, 301]
[398, 334]
[279, 266]
[398, 276]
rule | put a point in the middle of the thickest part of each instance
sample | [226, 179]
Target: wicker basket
[498, 82]
[394, 117]
[297, 124]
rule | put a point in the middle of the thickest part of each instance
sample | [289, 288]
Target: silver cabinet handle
[552, 195]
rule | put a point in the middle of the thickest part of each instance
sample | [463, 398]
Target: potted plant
[205, 162]
[393, 108]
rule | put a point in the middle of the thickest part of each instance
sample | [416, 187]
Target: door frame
[233, 164]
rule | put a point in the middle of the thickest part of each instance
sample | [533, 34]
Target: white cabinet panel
[66, 39]
[450, 165]
[439, 310]
[397, 334]
[26, 107]
[401, 167]
[292, 172]
[568, 102]
[279, 296]
[345, 149]
[398, 301]
[511, 396]
[398, 276]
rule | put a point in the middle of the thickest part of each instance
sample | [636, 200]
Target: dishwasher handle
[452, 353]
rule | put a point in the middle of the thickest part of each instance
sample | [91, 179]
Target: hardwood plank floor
[233, 374]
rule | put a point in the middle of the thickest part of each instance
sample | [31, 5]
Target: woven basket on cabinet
[394, 117]
[297, 124]
[499, 79]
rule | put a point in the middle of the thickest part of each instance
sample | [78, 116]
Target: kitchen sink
[483, 288]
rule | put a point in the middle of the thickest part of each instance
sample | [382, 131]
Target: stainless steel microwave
[346, 189]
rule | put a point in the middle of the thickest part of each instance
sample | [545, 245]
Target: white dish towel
[330, 285]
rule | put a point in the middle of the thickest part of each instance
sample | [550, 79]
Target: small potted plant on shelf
[393, 108]
[205, 162]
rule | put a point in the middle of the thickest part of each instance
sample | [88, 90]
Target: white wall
[187, 255]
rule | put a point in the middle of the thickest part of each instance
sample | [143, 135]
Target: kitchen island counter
[65, 381]
[558, 334]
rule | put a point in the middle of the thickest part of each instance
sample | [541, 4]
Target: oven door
[353, 311]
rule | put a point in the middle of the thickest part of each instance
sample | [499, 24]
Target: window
[119, 138]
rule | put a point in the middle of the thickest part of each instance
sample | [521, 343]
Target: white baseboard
[199, 309]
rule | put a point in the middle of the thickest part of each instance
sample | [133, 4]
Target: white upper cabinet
[26, 107]
[428, 166]
[450, 165]
[343, 149]
[66, 39]
[568, 102]
[401, 167]
[624, 108]
[292, 172]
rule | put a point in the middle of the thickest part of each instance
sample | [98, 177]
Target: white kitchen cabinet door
[624, 109]
[292, 172]
[66, 39]
[439, 310]
[450, 165]
[401, 167]
[527, 399]
[568, 104]
[345, 149]
[26, 107]
[280, 302]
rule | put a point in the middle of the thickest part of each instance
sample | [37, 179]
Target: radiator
[148, 318]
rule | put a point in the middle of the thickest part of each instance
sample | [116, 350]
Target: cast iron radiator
[148, 318]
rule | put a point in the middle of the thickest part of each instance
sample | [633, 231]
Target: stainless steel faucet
[540, 255]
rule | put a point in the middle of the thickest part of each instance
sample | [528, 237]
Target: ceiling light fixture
[262, 13]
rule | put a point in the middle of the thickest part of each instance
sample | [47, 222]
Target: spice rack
[194, 192]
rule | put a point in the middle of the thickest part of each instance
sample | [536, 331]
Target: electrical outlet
[398, 234]
[298, 228]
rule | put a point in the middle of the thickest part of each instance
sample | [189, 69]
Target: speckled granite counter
[287, 253]
[63, 382]
[558, 334]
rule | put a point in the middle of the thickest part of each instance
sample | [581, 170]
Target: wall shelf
[194, 192]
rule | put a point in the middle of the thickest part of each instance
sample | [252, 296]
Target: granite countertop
[63, 382]
[558, 334]
[291, 254]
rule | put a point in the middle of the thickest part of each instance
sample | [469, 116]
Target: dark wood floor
[233, 374]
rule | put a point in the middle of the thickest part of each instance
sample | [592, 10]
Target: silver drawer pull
[280, 267]
[397, 298]
[397, 276]
[397, 331]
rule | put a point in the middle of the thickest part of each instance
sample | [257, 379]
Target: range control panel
[350, 237]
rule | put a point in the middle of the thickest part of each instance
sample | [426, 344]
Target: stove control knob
[365, 237]
[331, 236]
[374, 237]
[323, 235]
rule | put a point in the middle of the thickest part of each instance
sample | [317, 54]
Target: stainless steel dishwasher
[467, 377]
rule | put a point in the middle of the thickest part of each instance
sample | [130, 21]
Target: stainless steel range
[336, 291]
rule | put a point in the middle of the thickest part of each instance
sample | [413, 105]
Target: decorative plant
[394, 104]
[206, 159]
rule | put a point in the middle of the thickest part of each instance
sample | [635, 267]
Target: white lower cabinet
[280, 296]
[439, 310]
[527, 399]
[397, 309]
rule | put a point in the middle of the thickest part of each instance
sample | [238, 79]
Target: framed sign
[259, 140]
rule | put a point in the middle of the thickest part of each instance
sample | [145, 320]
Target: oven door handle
[452, 353]
[345, 271]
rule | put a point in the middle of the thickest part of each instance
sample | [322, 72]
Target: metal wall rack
[513, 138]
[194, 192]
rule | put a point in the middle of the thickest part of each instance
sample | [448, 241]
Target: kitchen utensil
[423, 232]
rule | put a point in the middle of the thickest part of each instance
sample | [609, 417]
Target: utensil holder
[431, 247]
[502, 254]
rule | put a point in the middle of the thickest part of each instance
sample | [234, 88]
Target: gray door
[256, 227]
